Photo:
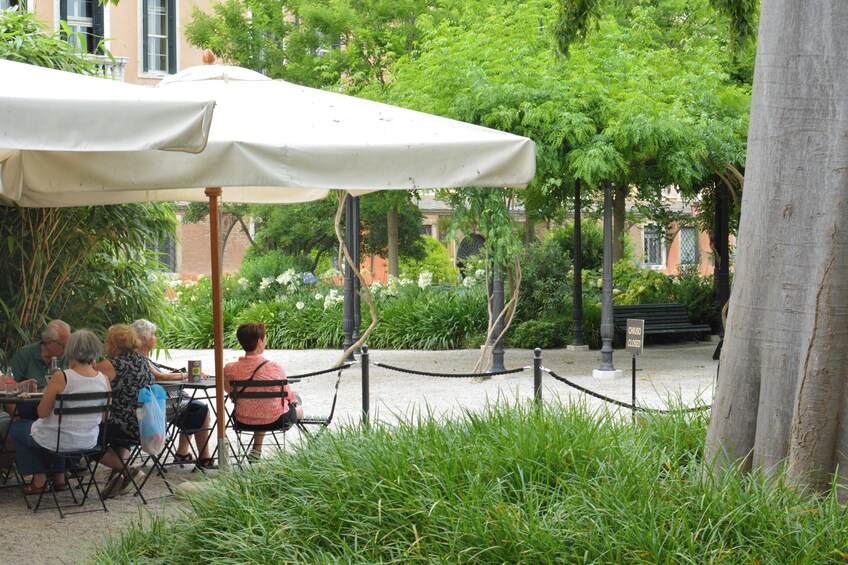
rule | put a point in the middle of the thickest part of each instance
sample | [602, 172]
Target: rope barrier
[446, 375]
[325, 371]
[619, 402]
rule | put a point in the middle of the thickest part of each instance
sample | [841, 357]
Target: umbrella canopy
[276, 142]
[85, 113]
[49, 111]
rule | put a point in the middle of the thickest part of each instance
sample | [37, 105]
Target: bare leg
[258, 439]
[201, 438]
[183, 447]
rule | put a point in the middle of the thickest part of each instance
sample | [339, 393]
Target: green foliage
[547, 270]
[645, 286]
[25, 40]
[436, 261]
[374, 209]
[257, 266]
[440, 319]
[649, 100]
[319, 44]
[696, 293]
[577, 18]
[511, 484]
[546, 334]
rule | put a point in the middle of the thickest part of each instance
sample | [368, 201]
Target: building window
[6, 4]
[688, 246]
[159, 36]
[427, 230]
[653, 254]
[85, 20]
[167, 249]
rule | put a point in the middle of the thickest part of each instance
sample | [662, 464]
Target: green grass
[513, 484]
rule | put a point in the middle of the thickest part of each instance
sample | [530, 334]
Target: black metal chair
[254, 390]
[69, 407]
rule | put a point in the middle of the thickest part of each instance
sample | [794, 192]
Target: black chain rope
[325, 371]
[618, 402]
[448, 376]
[298, 377]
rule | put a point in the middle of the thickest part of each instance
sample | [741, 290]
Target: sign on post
[635, 336]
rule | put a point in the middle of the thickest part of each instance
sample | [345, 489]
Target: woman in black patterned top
[128, 372]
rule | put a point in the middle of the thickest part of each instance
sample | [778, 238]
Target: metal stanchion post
[537, 376]
[366, 385]
[633, 388]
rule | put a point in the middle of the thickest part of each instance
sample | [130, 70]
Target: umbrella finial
[208, 57]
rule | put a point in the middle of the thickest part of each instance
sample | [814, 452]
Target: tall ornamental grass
[513, 484]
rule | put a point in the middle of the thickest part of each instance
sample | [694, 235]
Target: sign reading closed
[635, 336]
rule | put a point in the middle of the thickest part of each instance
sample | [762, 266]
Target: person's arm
[18, 365]
[107, 369]
[109, 389]
[55, 386]
[162, 376]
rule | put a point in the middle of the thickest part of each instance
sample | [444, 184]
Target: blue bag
[151, 419]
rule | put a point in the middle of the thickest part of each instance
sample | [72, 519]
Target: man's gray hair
[52, 329]
[83, 346]
[144, 328]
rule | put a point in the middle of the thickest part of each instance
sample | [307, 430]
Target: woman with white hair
[192, 416]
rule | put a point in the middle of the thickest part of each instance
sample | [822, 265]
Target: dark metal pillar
[606, 291]
[357, 260]
[537, 376]
[497, 309]
[366, 384]
[349, 303]
[721, 278]
[577, 303]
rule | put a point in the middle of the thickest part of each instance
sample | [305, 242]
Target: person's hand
[29, 385]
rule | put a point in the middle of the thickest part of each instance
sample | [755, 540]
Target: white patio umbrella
[49, 110]
[276, 142]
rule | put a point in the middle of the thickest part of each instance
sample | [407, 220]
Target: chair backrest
[81, 404]
[243, 390]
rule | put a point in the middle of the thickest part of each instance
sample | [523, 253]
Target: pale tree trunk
[782, 398]
[392, 237]
[619, 198]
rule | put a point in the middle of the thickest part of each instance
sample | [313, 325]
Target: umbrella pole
[218, 325]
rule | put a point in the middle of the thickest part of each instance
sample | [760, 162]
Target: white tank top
[79, 431]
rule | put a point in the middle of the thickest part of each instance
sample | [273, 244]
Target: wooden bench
[659, 319]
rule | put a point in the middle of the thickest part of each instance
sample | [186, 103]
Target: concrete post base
[608, 375]
[577, 348]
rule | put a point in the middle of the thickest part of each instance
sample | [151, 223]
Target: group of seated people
[125, 370]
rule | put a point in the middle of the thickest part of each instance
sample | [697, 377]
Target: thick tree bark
[782, 397]
[392, 237]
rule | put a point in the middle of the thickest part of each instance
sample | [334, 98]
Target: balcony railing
[108, 66]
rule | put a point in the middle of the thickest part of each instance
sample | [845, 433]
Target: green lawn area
[513, 484]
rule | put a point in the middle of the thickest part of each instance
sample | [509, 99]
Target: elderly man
[33, 360]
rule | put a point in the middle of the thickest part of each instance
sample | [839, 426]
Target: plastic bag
[151, 419]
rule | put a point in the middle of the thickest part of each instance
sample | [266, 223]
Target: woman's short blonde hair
[123, 338]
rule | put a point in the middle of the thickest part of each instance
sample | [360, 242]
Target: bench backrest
[659, 313]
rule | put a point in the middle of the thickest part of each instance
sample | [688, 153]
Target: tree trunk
[782, 397]
[619, 196]
[392, 237]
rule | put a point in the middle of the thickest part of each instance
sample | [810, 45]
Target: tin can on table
[195, 375]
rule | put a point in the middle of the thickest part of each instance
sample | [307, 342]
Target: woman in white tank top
[78, 431]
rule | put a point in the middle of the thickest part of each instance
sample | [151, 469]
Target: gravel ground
[684, 372]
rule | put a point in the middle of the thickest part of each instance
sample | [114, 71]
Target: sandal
[206, 463]
[32, 488]
[61, 487]
[180, 458]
